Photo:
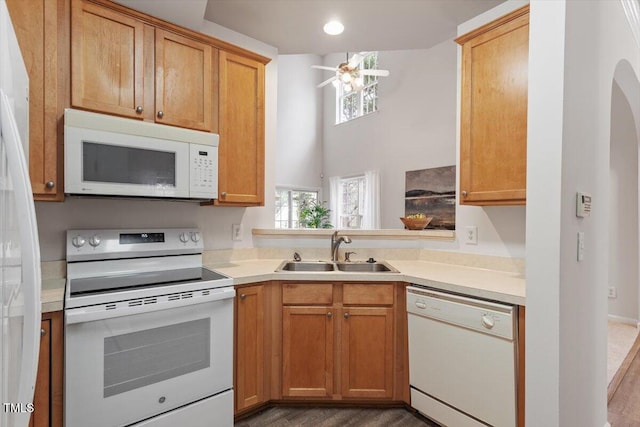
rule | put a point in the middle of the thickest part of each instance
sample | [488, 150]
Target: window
[288, 202]
[352, 104]
[355, 201]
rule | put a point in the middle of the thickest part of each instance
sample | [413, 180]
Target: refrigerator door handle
[31, 275]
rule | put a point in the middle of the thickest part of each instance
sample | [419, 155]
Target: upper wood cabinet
[493, 128]
[42, 31]
[126, 66]
[241, 150]
[184, 81]
[107, 60]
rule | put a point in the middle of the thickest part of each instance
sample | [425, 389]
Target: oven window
[146, 357]
[126, 165]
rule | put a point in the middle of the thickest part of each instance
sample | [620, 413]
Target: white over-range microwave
[118, 157]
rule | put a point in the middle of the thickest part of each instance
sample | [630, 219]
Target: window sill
[446, 235]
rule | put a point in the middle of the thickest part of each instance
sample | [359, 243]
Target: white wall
[623, 193]
[416, 127]
[55, 218]
[574, 49]
[299, 137]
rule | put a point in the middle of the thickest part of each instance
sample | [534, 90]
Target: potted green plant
[314, 215]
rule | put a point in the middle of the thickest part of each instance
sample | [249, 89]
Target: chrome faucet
[335, 244]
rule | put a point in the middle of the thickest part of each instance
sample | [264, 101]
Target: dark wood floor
[624, 406]
[335, 417]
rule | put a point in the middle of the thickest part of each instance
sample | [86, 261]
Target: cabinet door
[184, 81]
[47, 397]
[367, 352]
[307, 351]
[41, 30]
[40, 416]
[249, 384]
[241, 151]
[493, 129]
[107, 60]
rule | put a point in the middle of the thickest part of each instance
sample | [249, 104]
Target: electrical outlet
[471, 235]
[236, 232]
[613, 292]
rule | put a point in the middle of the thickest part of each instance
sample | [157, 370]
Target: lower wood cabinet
[47, 399]
[320, 341]
[338, 340]
[249, 347]
[307, 351]
[367, 352]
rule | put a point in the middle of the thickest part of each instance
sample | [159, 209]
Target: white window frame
[290, 190]
[341, 94]
[342, 218]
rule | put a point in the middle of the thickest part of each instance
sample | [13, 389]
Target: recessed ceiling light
[333, 28]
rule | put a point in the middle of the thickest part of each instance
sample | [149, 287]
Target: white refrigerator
[19, 249]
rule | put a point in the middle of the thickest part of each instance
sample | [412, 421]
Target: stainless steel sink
[343, 267]
[305, 266]
[365, 267]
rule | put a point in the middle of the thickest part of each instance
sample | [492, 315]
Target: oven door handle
[145, 305]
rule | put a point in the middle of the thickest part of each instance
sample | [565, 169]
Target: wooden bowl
[416, 223]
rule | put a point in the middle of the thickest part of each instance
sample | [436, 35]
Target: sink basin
[305, 266]
[365, 267]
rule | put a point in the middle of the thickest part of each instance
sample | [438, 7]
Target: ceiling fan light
[345, 77]
[333, 28]
[335, 83]
[347, 88]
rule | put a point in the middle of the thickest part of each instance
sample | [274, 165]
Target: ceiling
[295, 26]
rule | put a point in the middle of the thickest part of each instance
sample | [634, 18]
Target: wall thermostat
[583, 204]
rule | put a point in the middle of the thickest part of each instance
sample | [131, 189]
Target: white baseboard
[627, 320]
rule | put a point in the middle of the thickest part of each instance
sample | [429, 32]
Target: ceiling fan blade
[355, 60]
[383, 73]
[326, 82]
[322, 67]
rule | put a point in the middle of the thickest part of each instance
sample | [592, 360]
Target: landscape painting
[432, 192]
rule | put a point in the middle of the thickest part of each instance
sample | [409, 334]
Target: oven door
[116, 164]
[124, 365]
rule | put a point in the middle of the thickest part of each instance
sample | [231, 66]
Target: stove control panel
[87, 245]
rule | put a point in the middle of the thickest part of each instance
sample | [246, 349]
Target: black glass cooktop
[122, 282]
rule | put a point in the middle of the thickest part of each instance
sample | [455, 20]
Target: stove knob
[94, 240]
[195, 236]
[78, 241]
[184, 238]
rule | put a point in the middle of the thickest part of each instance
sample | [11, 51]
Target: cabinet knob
[223, 194]
[43, 332]
[346, 315]
[464, 194]
[160, 114]
[242, 296]
[50, 184]
[329, 315]
[139, 109]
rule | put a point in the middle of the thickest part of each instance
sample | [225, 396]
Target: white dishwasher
[462, 359]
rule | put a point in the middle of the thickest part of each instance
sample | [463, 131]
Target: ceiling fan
[350, 74]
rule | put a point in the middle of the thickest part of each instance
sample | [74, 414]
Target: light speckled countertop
[478, 282]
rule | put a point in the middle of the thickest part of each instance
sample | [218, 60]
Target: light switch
[580, 245]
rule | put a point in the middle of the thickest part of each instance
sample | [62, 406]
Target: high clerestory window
[351, 104]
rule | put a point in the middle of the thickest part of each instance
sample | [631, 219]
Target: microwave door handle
[103, 312]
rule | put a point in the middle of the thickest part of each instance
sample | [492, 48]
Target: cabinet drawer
[307, 293]
[367, 294]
